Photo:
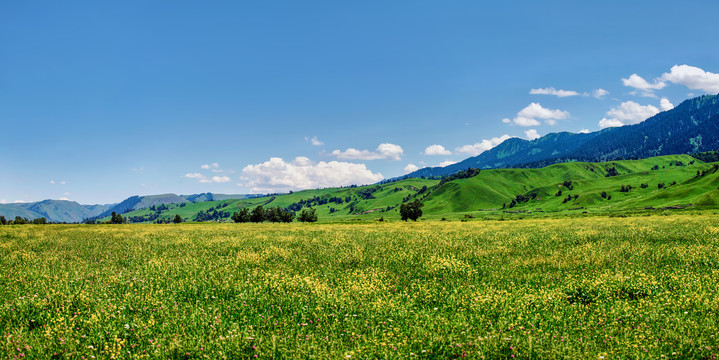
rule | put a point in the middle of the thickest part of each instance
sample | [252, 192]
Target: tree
[272, 214]
[411, 210]
[3, 220]
[258, 214]
[116, 218]
[308, 215]
[241, 216]
[177, 219]
[287, 216]
[40, 221]
[20, 220]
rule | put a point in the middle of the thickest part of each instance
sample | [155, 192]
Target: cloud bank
[276, 175]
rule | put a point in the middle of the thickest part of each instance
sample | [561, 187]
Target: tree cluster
[308, 215]
[116, 218]
[411, 210]
[522, 198]
[19, 220]
[625, 188]
[462, 174]
[708, 171]
[259, 214]
[611, 171]
[316, 201]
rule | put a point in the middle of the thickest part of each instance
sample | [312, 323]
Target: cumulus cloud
[600, 93]
[447, 163]
[552, 91]
[63, 182]
[665, 104]
[314, 141]
[627, 113]
[410, 168]
[584, 131]
[276, 175]
[384, 151]
[64, 198]
[482, 146]
[529, 115]
[3, 201]
[532, 134]
[646, 87]
[694, 78]
[206, 180]
[220, 179]
[52, 182]
[436, 150]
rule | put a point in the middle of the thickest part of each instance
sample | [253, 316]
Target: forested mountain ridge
[692, 126]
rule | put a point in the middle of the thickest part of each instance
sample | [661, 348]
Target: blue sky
[100, 101]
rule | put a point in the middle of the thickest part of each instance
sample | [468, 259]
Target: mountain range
[690, 127]
[71, 211]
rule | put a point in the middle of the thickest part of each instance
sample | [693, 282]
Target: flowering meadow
[589, 288]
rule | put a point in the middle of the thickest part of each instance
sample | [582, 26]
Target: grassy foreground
[642, 287]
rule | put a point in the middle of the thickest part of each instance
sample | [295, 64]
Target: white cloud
[482, 146]
[628, 113]
[52, 182]
[63, 182]
[584, 131]
[384, 151]
[205, 180]
[210, 166]
[410, 168]
[694, 78]
[314, 141]
[3, 201]
[600, 93]
[64, 198]
[18, 202]
[436, 150]
[220, 179]
[525, 121]
[647, 88]
[276, 175]
[529, 115]
[214, 167]
[506, 121]
[552, 91]
[138, 168]
[447, 163]
[665, 104]
[532, 134]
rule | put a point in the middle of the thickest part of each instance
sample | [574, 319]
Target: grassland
[637, 287]
[490, 193]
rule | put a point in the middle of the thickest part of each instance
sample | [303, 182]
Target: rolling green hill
[672, 181]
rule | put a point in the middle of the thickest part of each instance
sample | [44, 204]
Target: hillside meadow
[567, 189]
[591, 288]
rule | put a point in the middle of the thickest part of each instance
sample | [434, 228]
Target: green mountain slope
[692, 126]
[564, 187]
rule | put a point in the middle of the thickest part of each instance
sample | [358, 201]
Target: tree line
[272, 214]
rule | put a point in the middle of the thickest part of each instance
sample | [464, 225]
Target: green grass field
[599, 287]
